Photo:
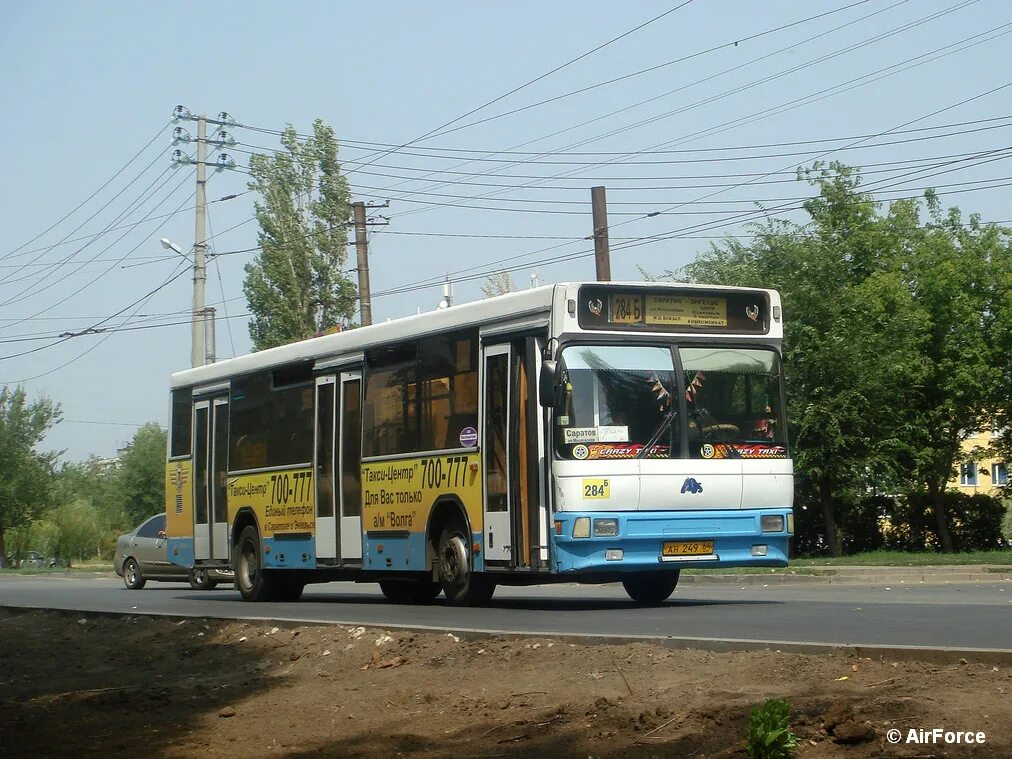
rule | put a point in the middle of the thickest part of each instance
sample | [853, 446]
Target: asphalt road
[967, 616]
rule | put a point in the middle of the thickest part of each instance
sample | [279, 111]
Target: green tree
[959, 275]
[851, 342]
[297, 287]
[26, 475]
[142, 473]
[90, 493]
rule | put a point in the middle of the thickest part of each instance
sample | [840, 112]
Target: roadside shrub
[975, 522]
[769, 731]
[860, 524]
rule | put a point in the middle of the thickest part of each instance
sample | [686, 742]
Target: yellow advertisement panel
[283, 500]
[398, 495]
[179, 499]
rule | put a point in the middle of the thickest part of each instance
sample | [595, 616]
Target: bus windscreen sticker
[580, 435]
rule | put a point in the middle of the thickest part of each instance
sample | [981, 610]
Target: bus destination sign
[675, 310]
[694, 310]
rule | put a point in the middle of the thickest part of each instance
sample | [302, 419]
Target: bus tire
[461, 584]
[251, 580]
[410, 591]
[653, 588]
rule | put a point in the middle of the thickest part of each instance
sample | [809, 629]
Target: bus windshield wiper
[665, 423]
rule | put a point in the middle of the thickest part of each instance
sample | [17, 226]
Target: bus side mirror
[547, 383]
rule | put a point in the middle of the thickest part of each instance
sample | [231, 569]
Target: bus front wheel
[461, 584]
[653, 588]
[253, 583]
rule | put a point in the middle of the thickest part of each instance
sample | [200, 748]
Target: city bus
[577, 432]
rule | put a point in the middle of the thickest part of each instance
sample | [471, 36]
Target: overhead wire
[707, 226]
[610, 115]
[84, 202]
[775, 110]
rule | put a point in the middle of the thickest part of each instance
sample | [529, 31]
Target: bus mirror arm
[547, 382]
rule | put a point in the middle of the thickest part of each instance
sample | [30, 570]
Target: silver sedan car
[143, 555]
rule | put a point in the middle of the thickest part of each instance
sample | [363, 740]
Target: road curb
[932, 655]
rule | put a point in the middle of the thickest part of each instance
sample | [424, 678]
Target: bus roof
[509, 307]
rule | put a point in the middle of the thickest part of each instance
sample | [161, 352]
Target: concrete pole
[602, 258]
[199, 247]
[362, 250]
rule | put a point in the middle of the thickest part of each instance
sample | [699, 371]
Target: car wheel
[201, 580]
[410, 591]
[461, 584]
[651, 589]
[132, 576]
[252, 580]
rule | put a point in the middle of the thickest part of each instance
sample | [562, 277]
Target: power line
[95, 328]
[783, 107]
[624, 77]
[110, 268]
[46, 248]
[529, 83]
[705, 101]
[107, 182]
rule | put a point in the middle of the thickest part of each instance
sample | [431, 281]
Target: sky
[440, 109]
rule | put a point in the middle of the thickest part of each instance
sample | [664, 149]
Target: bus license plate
[688, 548]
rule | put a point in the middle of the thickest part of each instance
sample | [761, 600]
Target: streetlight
[169, 245]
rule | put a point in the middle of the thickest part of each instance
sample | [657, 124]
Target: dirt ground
[80, 685]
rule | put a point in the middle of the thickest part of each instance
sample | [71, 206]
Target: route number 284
[596, 489]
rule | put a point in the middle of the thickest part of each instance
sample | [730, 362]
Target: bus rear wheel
[461, 584]
[653, 588]
[252, 581]
[410, 591]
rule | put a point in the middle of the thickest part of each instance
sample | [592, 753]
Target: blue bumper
[643, 534]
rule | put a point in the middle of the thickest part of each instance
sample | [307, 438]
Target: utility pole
[602, 258]
[362, 251]
[199, 354]
[200, 247]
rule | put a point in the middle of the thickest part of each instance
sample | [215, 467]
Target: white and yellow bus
[578, 432]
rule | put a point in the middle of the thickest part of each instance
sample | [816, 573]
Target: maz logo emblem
[691, 486]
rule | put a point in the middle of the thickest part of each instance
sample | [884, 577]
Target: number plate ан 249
[688, 548]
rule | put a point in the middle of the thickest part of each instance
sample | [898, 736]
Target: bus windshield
[629, 402]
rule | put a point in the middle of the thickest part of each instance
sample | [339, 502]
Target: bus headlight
[605, 528]
[772, 522]
[581, 527]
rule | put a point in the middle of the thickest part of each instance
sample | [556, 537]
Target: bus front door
[496, 455]
[210, 480]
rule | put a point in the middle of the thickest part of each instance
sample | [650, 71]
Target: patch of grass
[769, 571]
[905, 559]
[769, 731]
[57, 570]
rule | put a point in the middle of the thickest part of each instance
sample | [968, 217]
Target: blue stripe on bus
[282, 552]
[642, 534]
[405, 553]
